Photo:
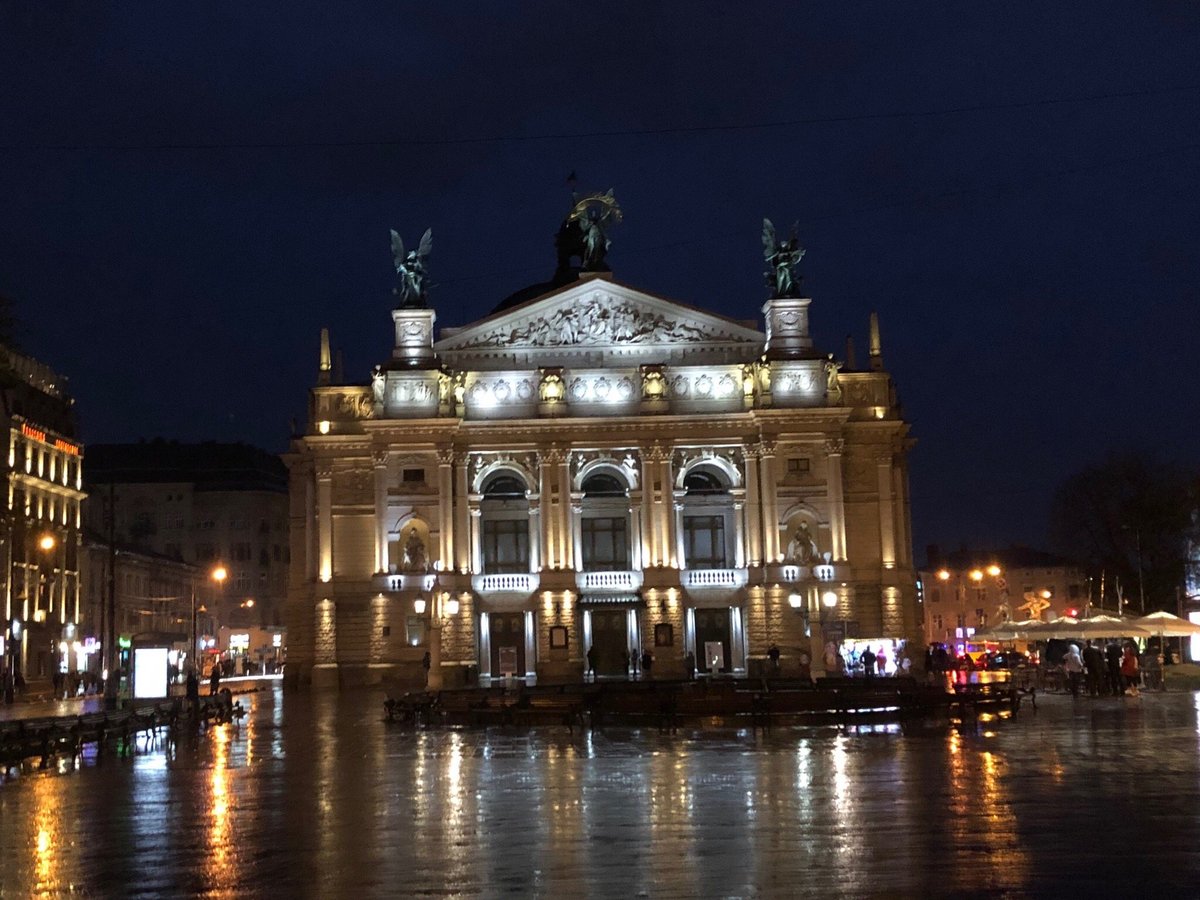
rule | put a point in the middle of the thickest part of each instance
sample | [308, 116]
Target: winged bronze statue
[782, 258]
[412, 266]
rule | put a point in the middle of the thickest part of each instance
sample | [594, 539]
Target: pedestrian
[1093, 661]
[426, 664]
[805, 668]
[689, 664]
[57, 681]
[1112, 657]
[868, 662]
[881, 662]
[647, 663]
[193, 689]
[1073, 665]
[214, 680]
[1129, 670]
[773, 656]
[591, 661]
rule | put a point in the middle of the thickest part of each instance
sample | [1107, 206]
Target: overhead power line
[583, 135]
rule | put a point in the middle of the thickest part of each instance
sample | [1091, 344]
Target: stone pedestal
[414, 337]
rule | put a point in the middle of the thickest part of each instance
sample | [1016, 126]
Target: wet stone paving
[315, 795]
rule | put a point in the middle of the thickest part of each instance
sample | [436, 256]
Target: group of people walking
[1112, 671]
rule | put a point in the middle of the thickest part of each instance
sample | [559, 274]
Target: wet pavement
[316, 796]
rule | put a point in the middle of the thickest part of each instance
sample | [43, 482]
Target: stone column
[462, 515]
[379, 460]
[680, 560]
[637, 559]
[768, 493]
[310, 526]
[324, 473]
[650, 556]
[445, 458]
[546, 461]
[564, 514]
[476, 538]
[836, 498]
[739, 534]
[754, 554]
[887, 516]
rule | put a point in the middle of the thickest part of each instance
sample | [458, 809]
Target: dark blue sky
[189, 192]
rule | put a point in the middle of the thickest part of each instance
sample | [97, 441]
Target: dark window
[505, 486]
[605, 544]
[603, 486]
[411, 476]
[387, 630]
[704, 538]
[701, 482]
[505, 546]
[797, 466]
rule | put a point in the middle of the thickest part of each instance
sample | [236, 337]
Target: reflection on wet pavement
[317, 796]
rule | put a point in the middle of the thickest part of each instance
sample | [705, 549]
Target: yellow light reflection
[47, 837]
[220, 868]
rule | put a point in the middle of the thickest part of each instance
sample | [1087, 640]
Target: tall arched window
[707, 520]
[504, 515]
[604, 531]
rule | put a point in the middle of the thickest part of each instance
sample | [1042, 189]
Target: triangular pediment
[598, 318]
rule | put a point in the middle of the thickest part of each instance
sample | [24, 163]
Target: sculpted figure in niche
[802, 549]
[832, 386]
[377, 381]
[414, 552]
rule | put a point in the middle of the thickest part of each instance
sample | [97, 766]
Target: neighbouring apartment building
[207, 505]
[966, 591]
[41, 527]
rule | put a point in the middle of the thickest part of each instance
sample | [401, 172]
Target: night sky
[188, 192]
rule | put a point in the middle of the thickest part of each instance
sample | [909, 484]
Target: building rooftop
[1011, 557]
[209, 465]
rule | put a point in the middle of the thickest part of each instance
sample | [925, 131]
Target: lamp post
[218, 574]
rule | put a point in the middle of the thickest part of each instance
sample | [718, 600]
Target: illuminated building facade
[966, 591]
[41, 528]
[596, 472]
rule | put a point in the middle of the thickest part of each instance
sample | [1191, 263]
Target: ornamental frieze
[601, 319]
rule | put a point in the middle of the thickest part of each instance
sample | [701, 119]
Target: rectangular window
[798, 466]
[1073, 591]
[704, 542]
[605, 545]
[935, 595]
[505, 546]
[411, 476]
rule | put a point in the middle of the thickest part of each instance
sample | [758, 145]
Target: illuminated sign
[239, 642]
[30, 432]
[39, 434]
[277, 640]
[150, 672]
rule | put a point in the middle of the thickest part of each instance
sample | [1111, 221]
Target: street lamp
[218, 574]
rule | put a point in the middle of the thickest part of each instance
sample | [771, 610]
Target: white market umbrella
[1102, 626]
[1062, 627]
[1008, 631]
[1166, 625]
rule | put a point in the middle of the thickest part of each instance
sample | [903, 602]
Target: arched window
[707, 520]
[504, 525]
[601, 485]
[604, 531]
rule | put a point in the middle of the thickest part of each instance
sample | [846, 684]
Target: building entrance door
[712, 638]
[610, 641]
[508, 644]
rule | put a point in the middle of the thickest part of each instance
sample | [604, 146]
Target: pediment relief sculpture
[597, 320]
